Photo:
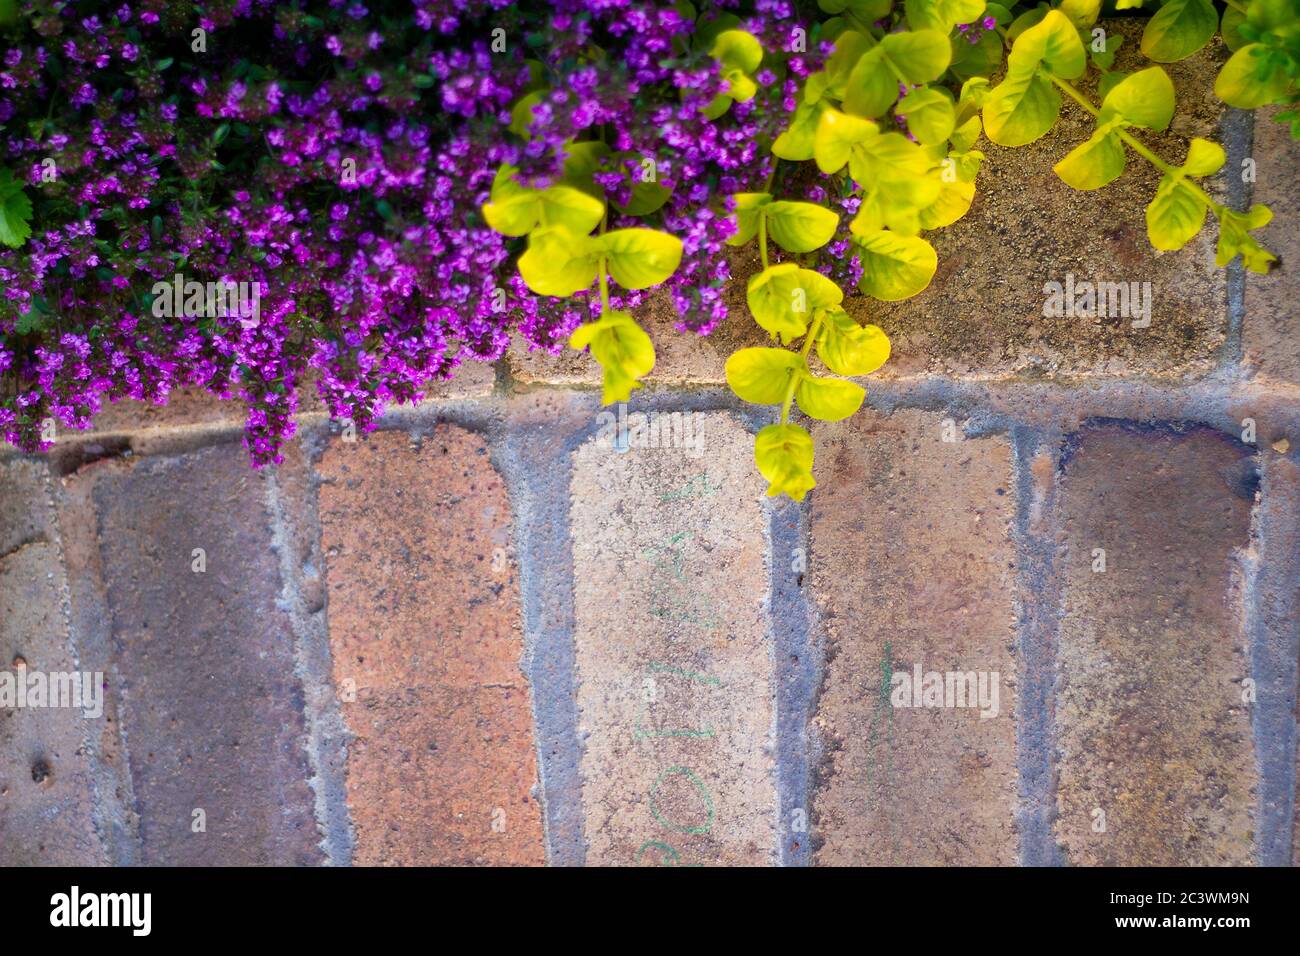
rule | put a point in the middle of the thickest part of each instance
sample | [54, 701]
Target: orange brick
[424, 628]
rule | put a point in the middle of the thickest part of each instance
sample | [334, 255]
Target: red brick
[1151, 726]
[46, 790]
[673, 657]
[203, 662]
[424, 623]
[912, 564]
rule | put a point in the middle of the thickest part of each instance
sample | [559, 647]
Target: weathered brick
[1271, 325]
[673, 657]
[982, 314]
[46, 792]
[424, 625]
[680, 357]
[203, 662]
[1152, 730]
[912, 567]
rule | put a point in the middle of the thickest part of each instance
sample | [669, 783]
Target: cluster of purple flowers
[337, 153]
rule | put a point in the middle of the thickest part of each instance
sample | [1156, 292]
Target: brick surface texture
[425, 635]
[912, 569]
[1154, 733]
[675, 709]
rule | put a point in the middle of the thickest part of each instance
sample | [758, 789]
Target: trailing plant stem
[762, 238]
[1141, 149]
[795, 374]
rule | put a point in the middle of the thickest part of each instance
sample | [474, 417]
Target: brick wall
[482, 635]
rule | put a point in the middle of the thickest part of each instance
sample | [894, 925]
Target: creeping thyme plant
[412, 183]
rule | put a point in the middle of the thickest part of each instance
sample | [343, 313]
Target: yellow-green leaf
[784, 455]
[800, 226]
[737, 50]
[1144, 99]
[836, 134]
[1021, 108]
[1094, 163]
[1052, 43]
[521, 114]
[828, 399]
[1175, 215]
[1082, 13]
[847, 348]
[796, 143]
[623, 350]
[512, 208]
[748, 209]
[640, 258]
[954, 201]
[557, 262]
[929, 113]
[1204, 158]
[572, 208]
[941, 15]
[784, 297]
[1251, 78]
[762, 375]
[895, 267]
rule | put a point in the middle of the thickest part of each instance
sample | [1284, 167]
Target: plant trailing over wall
[410, 183]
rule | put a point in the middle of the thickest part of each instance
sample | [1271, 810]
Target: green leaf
[521, 114]
[557, 262]
[894, 267]
[1109, 81]
[640, 258]
[1110, 47]
[15, 211]
[1252, 77]
[800, 226]
[748, 209]
[784, 455]
[1144, 99]
[868, 10]
[1230, 28]
[929, 113]
[646, 198]
[783, 298]
[581, 160]
[1094, 163]
[762, 375]
[916, 57]
[847, 348]
[622, 348]
[828, 399]
[1179, 29]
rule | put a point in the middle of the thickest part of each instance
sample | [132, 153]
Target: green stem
[762, 237]
[796, 375]
[1141, 149]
